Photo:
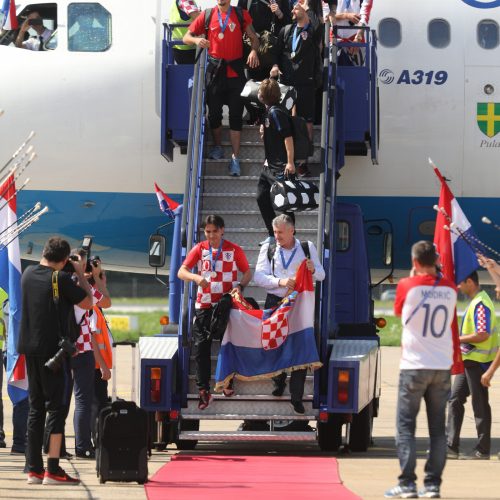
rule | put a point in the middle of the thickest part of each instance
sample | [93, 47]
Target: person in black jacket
[276, 131]
[47, 317]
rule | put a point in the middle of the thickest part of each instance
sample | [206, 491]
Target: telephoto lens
[67, 349]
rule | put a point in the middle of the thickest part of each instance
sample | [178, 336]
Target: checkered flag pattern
[275, 329]
[481, 318]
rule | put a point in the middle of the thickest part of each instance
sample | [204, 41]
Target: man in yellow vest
[183, 12]
[3, 336]
[479, 345]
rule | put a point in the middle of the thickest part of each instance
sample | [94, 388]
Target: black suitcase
[122, 437]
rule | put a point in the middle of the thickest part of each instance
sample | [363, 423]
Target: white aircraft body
[96, 114]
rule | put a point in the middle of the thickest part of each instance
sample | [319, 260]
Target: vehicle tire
[187, 425]
[330, 433]
[361, 429]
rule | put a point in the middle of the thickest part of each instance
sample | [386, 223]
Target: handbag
[293, 195]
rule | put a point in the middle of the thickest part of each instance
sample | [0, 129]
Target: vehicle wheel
[187, 425]
[361, 429]
[330, 433]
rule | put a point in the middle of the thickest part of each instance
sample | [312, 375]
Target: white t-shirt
[427, 338]
[33, 42]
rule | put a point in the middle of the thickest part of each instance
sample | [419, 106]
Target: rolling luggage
[122, 436]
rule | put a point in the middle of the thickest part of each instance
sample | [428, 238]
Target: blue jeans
[83, 367]
[434, 386]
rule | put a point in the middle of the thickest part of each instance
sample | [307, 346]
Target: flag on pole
[10, 281]
[9, 19]
[167, 205]
[458, 259]
[260, 344]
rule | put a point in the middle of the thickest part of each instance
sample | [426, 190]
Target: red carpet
[247, 477]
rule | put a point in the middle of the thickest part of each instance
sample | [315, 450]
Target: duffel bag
[293, 195]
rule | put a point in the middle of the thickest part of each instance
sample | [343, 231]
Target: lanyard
[422, 302]
[286, 264]
[296, 37]
[219, 250]
[223, 25]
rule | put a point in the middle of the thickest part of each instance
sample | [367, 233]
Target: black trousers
[99, 402]
[184, 56]
[469, 384]
[266, 180]
[202, 347]
[225, 91]
[46, 395]
[298, 377]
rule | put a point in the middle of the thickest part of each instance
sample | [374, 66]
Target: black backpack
[220, 317]
[303, 147]
[271, 249]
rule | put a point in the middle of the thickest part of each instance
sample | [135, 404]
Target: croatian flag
[10, 281]
[9, 15]
[458, 259]
[167, 205]
[261, 344]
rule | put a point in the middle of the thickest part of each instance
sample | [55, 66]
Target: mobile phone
[35, 22]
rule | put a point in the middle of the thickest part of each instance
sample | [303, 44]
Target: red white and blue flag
[8, 15]
[458, 259]
[167, 205]
[263, 343]
[10, 282]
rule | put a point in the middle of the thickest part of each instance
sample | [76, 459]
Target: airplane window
[42, 24]
[89, 27]
[389, 32]
[487, 34]
[438, 33]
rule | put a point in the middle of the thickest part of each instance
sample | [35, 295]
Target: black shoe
[279, 387]
[3, 444]
[87, 455]
[66, 454]
[298, 407]
[14, 451]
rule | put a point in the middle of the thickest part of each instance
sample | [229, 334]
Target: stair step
[247, 436]
[249, 397]
[245, 416]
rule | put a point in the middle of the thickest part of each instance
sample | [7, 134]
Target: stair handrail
[193, 177]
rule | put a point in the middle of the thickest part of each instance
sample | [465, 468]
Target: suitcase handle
[124, 342]
[113, 370]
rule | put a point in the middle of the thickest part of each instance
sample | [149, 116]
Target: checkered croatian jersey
[84, 342]
[427, 310]
[231, 260]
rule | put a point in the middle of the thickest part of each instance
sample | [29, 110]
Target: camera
[68, 267]
[66, 350]
[35, 22]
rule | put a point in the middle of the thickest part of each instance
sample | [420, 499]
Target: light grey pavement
[367, 474]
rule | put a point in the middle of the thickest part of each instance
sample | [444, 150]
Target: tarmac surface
[367, 474]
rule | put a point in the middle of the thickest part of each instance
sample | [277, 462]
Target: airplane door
[481, 132]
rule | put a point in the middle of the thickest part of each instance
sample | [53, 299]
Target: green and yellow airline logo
[488, 118]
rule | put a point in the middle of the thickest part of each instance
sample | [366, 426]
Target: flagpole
[21, 147]
[26, 214]
[487, 220]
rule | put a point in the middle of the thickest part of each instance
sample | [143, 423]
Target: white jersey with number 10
[427, 308]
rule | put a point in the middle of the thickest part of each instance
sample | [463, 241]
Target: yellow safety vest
[178, 33]
[483, 352]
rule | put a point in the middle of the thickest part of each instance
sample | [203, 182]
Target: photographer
[35, 21]
[83, 364]
[47, 333]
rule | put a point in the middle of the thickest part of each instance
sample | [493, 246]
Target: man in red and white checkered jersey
[83, 364]
[218, 262]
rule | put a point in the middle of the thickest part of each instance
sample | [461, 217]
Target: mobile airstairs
[347, 388]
